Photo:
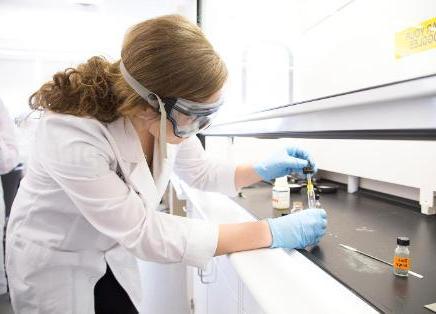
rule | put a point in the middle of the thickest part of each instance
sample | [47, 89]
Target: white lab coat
[3, 284]
[74, 213]
[8, 160]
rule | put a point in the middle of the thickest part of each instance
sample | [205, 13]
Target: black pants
[110, 297]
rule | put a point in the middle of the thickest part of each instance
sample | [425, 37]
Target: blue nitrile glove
[299, 230]
[284, 162]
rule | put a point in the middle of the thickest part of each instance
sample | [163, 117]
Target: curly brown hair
[169, 55]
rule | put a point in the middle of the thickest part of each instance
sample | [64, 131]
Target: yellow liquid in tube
[311, 201]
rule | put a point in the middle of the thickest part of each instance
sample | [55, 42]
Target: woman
[109, 138]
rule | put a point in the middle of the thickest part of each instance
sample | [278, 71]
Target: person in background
[8, 161]
[109, 138]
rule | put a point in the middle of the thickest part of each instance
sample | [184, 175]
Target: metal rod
[378, 259]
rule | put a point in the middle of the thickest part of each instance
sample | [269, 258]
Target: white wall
[254, 38]
[259, 38]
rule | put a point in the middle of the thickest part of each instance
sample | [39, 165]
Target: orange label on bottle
[402, 263]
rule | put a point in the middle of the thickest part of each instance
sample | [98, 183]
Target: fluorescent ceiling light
[87, 2]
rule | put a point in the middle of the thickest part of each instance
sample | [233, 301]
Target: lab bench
[371, 224]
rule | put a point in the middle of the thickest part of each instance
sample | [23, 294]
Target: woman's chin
[171, 137]
[174, 140]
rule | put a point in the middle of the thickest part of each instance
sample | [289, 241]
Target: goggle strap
[163, 128]
[136, 86]
[145, 94]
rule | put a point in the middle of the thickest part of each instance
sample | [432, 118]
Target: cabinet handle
[208, 277]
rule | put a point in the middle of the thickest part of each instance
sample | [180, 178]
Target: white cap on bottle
[281, 181]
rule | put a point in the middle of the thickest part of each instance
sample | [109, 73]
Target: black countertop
[371, 225]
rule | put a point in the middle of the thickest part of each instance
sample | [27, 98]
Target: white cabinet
[218, 289]
[197, 290]
[199, 294]
[222, 292]
[249, 304]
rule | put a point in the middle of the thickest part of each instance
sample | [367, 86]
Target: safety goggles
[187, 117]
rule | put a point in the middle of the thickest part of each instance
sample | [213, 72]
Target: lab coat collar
[129, 144]
[151, 187]
[127, 140]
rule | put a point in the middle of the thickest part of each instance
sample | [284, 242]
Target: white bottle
[281, 194]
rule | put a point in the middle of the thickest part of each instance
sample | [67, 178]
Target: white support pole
[426, 200]
[353, 184]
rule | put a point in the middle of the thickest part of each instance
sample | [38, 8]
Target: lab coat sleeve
[8, 142]
[78, 157]
[193, 166]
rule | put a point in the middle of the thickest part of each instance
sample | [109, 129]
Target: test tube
[311, 201]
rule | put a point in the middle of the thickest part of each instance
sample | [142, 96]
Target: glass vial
[317, 202]
[281, 194]
[402, 257]
[296, 207]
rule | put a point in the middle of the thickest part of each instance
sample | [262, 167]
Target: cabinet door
[197, 289]
[249, 304]
[222, 291]
[199, 294]
[218, 289]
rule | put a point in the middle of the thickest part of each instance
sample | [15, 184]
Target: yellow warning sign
[416, 39]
